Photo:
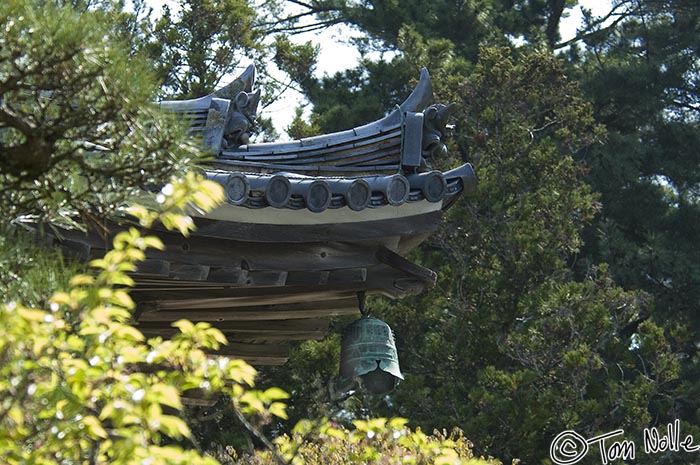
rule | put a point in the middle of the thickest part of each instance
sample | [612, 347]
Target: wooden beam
[225, 279]
[237, 253]
[256, 299]
[298, 310]
[308, 278]
[395, 260]
[323, 278]
[179, 296]
[341, 232]
[228, 274]
[257, 256]
[151, 267]
[357, 275]
[266, 278]
[268, 330]
[257, 354]
[218, 316]
[189, 272]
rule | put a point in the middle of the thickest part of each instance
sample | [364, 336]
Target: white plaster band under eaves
[284, 216]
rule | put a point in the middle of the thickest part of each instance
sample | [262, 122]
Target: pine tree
[643, 81]
[78, 132]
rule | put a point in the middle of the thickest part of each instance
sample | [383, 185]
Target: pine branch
[13, 120]
[306, 28]
[591, 30]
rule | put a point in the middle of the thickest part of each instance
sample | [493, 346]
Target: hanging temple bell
[368, 354]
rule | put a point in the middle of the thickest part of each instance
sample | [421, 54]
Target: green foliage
[512, 346]
[297, 60]
[299, 129]
[507, 338]
[198, 45]
[77, 134]
[80, 383]
[522, 120]
[441, 35]
[467, 24]
[642, 78]
[203, 41]
[377, 441]
[350, 98]
[308, 376]
[30, 271]
[644, 88]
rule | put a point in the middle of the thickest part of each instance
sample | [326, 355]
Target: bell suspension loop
[361, 303]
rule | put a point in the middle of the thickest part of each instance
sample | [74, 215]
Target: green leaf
[174, 427]
[94, 427]
[279, 409]
[185, 326]
[122, 298]
[82, 280]
[128, 333]
[274, 393]
[154, 242]
[167, 395]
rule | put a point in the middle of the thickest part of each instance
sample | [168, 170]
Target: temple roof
[306, 224]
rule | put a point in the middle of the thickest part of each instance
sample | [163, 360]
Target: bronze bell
[368, 353]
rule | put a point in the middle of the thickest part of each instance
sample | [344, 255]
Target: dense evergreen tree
[643, 81]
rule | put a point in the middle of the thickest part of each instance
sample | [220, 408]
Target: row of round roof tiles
[290, 190]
